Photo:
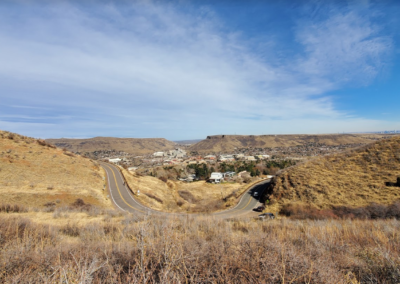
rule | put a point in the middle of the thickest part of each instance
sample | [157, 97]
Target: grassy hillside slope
[227, 143]
[137, 146]
[33, 173]
[355, 178]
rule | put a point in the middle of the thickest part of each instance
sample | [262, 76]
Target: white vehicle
[255, 194]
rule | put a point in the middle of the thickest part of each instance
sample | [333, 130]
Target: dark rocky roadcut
[125, 201]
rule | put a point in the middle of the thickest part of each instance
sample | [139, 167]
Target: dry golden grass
[177, 196]
[355, 178]
[228, 143]
[127, 248]
[59, 217]
[137, 146]
[33, 173]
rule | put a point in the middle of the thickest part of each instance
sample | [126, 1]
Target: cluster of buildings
[176, 153]
[216, 177]
[179, 157]
[311, 149]
[209, 159]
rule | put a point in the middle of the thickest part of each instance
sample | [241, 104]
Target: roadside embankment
[177, 196]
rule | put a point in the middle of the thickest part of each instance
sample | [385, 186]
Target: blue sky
[187, 69]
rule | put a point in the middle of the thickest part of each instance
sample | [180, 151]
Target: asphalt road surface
[124, 199]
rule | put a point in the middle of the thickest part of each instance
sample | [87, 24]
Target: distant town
[179, 156]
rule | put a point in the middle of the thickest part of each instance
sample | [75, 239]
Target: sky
[186, 69]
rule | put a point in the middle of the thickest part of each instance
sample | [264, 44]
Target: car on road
[255, 194]
[266, 216]
[259, 208]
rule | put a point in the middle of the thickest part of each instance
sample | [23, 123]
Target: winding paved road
[124, 199]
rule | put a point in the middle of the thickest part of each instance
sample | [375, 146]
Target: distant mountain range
[228, 143]
[212, 144]
[137, 146]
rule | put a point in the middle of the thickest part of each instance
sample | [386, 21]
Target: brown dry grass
[131, 249]
[206, 197]
[355, 178]
[228, 143]
[33, 172]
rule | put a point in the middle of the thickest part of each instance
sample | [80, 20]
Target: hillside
[228, 143]
[188, 142]
[137, 146]
[355, 178]
[33, 173]
[178, 196]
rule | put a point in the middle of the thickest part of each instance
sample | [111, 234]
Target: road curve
[125, 201]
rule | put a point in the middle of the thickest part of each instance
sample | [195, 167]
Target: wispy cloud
[345, 47]
[150, 69]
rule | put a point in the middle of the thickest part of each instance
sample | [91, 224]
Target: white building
[210, 157]
[116, 160]
[159, 154]
[227, 158]
[216, 177]
[249, 158]
[229, 174]
[177, 153]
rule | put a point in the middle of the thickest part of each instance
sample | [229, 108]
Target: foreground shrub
[372, 211]
[80, 205]
[146, 249]
[188, 196]
[152, 196]
[13, 208]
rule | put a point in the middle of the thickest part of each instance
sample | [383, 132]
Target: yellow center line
[236, 209]
[240, 209]
[116, 183]
[247, 203]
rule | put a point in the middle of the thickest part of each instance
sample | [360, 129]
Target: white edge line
[239, 200]
[109, 187]
[149, 209]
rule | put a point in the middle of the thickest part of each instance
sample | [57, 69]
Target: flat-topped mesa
[216, 137]
[235, 136]
[137, 146]
[222, 142]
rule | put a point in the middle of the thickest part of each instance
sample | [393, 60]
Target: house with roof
[115, 160]
[250, 158]
[216, 177]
